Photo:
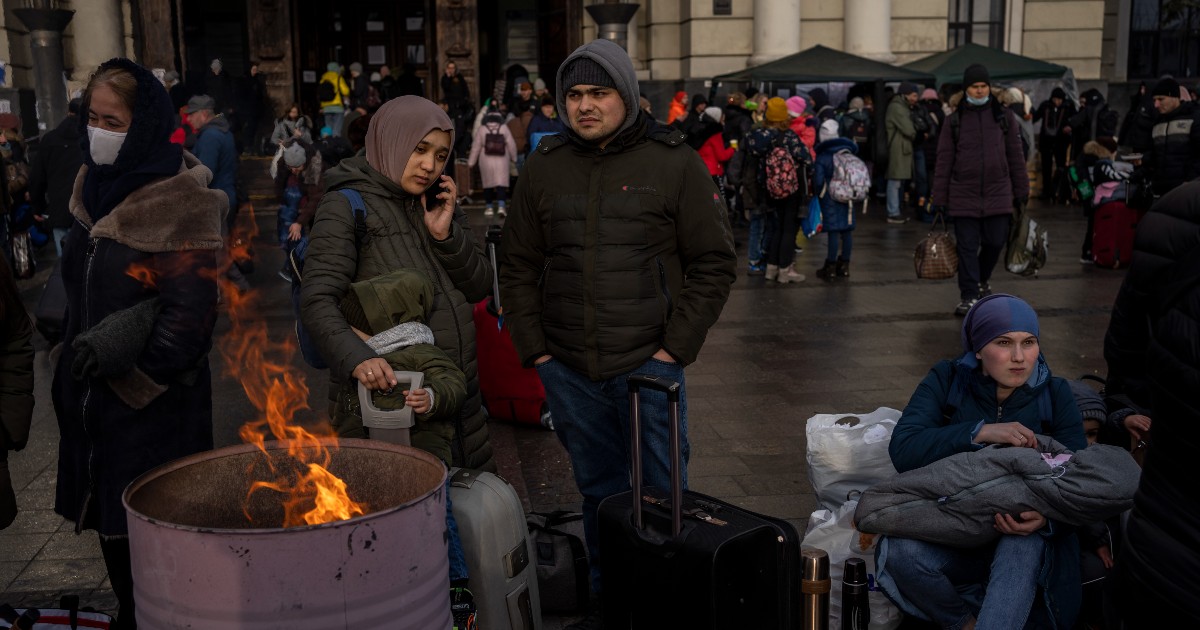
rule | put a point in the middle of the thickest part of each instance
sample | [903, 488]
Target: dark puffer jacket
[396, 239]
[114, 429]
[16, 384]
[613, 253]
[1175, 158]
[1162, 359]
[983, 173]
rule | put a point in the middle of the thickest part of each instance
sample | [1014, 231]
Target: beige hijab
[396, 129]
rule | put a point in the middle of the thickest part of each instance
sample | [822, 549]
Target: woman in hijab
[411, 222]
[999, 391]
[132, 386]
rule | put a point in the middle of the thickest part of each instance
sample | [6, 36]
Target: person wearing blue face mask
[979, 179]
[132, 387]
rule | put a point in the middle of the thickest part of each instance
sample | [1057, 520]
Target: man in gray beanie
[618, 258]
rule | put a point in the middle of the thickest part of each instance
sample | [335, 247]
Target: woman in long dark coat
[132, 386]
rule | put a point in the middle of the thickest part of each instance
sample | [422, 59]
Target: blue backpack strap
[359, 207]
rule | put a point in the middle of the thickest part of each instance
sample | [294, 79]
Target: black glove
[112, 347]
[1020, 202]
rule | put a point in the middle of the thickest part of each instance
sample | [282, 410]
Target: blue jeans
[59, 235]
[846, 238]
[754, 249]
[894, 186]
[591, 419]
[944, 582]
[333, 120]
[458, 560]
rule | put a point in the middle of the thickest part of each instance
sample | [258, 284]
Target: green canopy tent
[820, 64]
[1004, 67]
[824, 65]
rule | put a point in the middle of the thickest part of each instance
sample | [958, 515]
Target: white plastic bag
[832, 533]
[849, 452]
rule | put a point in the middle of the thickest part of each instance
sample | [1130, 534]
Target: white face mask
[978, 101]
[105, 144]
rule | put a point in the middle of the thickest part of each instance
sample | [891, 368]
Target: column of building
[97, 31]
[868, 29]
[776, 30]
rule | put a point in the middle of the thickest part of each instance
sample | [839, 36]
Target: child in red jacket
[714, 151]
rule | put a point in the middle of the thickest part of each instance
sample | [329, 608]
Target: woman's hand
[1029, 522]
[295, 231]
[375, 374]
[418, 400]
[1008, 433]
[439, 218]
[1137, 425]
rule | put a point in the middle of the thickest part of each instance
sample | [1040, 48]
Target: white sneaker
[789, 274]
[501, 212]
[488, 211]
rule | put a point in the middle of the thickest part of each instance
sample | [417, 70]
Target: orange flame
[278, 391]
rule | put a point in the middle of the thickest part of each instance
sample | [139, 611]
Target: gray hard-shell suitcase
[499, 552]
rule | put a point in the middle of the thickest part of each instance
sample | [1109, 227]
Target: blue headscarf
[147, 153]
[995, 315]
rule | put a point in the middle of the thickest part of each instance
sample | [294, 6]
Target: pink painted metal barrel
[200, 563]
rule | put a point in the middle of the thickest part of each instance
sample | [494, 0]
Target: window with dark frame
[1163, 41]
[976, 21]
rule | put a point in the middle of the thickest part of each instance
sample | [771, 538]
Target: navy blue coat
[835, 215]
[215, 149]
[924, 435]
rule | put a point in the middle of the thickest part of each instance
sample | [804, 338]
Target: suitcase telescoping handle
[672, 389]
[493, 241]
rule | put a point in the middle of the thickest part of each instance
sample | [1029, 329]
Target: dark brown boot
[843, 268]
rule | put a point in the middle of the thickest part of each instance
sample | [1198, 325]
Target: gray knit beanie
[585, 71]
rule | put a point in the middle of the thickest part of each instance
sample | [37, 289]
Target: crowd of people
[132, 387]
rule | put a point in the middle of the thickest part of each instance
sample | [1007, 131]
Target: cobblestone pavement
[778, 355]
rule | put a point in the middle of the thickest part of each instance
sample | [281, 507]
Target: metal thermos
[815, 586]
[856, 608]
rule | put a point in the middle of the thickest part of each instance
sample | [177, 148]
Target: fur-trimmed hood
[169, 214]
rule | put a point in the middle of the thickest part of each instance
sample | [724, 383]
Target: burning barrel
[208, 553]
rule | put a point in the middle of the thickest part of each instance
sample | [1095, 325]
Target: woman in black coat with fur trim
[132, 387]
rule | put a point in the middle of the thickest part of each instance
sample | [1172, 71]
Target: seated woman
[998, 392]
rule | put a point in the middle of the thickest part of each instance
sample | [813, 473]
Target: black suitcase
[680, 559]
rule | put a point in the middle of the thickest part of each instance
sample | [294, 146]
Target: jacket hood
[219, 122]
[616, 62]
[835, 145]
[404, 295]
[354, 172]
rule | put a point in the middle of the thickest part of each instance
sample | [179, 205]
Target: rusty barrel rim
[271, 445]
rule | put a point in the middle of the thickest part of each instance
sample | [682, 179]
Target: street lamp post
[612, 20]
[45, 38]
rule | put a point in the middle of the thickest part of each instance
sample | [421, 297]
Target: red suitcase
[510, 392]
[1112, 236]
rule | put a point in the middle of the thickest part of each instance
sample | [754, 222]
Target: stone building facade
[676, 44]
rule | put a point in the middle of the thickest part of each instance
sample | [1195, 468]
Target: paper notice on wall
[376, 55]
[309, 76]
[375, 26]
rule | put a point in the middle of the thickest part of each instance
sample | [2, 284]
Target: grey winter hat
[584, 71]
[356, 67]
[294, 155]
[201, 102]
[617, 66]
[1091, 405]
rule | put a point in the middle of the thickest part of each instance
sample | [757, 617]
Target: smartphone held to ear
[432, 202]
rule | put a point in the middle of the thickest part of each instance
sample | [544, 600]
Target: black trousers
[1054, 165]
[120, 575]
[980, 244]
